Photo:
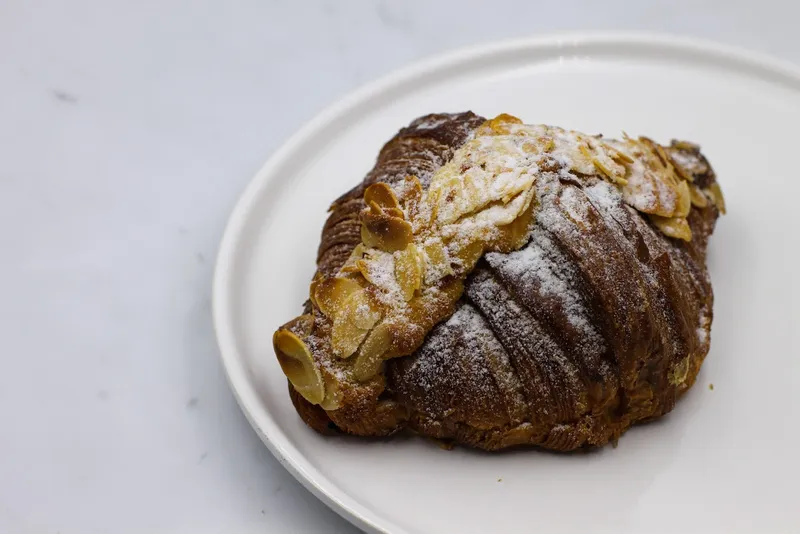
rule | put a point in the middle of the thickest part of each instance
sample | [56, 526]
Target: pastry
[497, 284]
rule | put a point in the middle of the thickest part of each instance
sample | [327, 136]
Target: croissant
[497, 284]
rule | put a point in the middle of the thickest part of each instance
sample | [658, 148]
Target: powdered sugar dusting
[542, 267]
[606, 198]
[473, 334]
[381, 272]
[541, 364]
[463, 354]
[573, 203]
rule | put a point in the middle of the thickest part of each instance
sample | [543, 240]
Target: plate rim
[757, 64]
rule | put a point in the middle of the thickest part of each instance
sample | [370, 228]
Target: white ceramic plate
[722, 461]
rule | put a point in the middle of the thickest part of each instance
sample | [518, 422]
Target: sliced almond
[673, 227]
[531, 148]
[360, 311]
[468, 189]
[408, 271]
[355, 255]
[349, 268]
[385, 232]
[372, 352]
[666, 161]
[333, 397]
[601, 156]
[467, 256]
[699, 199]
[515, 235]
[377, 270]
[395, 212]
[716, 194]
[620, 156]
[498, 125]
[382, 195]
[679, 169]
[298, 365]
[437, 263]
[684, 200]
[346, 336]
[685, 145]
[365, 267]
[582, 162]
[613, 175]
[331, 293]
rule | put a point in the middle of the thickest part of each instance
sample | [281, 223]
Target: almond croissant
[499, 284]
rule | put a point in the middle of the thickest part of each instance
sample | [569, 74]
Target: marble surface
[128, 131]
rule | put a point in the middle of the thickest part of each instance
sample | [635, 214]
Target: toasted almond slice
[385, 232]
[616, 176]
[531, 147]
[395, 212]
[331, 293]
[365, 268]
[498, 125]
[684, 199]
[382, 195]
[665, 160]
[676, 227]
[699, 199]
[346, 336]
[407, 271]
[468, 189]
[679, 169]
[375, 267]
[355, 255]
[360, 311]
[619, 156]
[371, 355]
[467, 256]
[298, 365]
[515, 235]
[584, 164]
[349, 268]
[685, 145]
[375, 208]
[437, 264]
[716, 194]
[333, 397]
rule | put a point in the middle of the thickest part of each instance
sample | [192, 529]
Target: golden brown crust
[601, 321]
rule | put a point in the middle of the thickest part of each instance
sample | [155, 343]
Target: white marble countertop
[128, 130]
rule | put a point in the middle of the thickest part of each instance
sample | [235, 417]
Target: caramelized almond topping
[298, 365]
[676, 227]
